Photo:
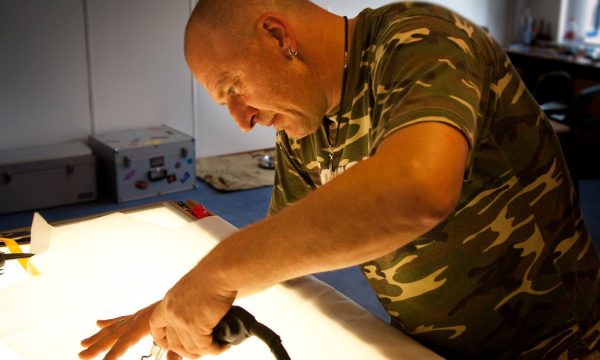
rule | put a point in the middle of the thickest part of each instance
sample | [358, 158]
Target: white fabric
[116, 264]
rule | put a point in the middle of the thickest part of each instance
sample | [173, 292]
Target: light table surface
[118, 263]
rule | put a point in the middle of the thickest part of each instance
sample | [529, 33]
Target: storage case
[43, 176]
[141, 163]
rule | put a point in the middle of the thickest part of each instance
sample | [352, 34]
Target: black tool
[4, 257]
[238, 324]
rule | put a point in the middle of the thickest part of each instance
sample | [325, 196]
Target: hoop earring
[292, 53]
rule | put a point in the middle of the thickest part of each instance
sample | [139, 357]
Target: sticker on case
[185, 177]
[129, 175]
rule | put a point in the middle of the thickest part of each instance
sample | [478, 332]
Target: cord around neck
[344, 79]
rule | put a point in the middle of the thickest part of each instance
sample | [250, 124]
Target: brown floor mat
[235, 172]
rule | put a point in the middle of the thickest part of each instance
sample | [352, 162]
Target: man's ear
[279, 29]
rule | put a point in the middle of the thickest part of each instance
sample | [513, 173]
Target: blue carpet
[242, 208]
[239, 208]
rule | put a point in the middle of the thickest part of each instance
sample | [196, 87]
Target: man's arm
[410, 185]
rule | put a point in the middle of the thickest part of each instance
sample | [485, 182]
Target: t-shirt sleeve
[426, 69]
[291, 183]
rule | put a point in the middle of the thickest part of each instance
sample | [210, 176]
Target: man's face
[259, 84]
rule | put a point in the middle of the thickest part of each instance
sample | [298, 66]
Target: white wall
[489, 13]
[72, 67]
[52, 91]
[43, 73]
[548, 10]
[137, 64]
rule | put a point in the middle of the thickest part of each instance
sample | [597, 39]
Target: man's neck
[335, 68]
[325, 52]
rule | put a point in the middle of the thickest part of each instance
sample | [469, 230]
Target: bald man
[407, 145]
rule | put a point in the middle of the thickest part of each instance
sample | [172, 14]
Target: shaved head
[266, 61]
[235, 18]
[226, 13]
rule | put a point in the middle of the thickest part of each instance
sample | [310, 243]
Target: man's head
[242, 52]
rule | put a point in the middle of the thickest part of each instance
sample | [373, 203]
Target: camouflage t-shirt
[512, 272]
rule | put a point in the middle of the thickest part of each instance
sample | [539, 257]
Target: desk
[44, 317]
[534, 61]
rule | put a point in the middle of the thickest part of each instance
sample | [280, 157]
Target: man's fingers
[100, 341]
[175, 344]
[216, 348]
[99, 345]
[120, 347]
[104, 325]
[158, 328]
[108, 322]
[173, 356]
[91, 340]
[159, 336]
[120, 333]
[190, 344]
[97, 336]
[130, 336]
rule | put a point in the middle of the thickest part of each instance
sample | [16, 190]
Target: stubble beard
[304, 127]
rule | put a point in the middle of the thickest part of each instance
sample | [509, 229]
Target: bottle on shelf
[527, 28]
[572, 40]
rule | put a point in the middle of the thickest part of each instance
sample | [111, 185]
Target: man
[433, 169]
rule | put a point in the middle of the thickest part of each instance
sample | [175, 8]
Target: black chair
[568, 114]
[554, 91]
[583, 124]
[581, 118]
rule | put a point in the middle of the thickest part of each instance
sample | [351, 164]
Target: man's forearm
[372, 209]
[296, 242]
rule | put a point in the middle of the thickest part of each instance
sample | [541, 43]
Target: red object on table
[197, 210]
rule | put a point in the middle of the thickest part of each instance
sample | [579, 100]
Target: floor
[242, 208]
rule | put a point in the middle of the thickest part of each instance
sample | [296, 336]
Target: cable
[238, 324]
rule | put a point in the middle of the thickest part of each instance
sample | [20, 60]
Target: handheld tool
[5, 256]
[238, 324]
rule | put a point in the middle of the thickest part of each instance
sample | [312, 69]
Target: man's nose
[243, 114]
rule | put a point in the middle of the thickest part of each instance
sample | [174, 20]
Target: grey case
[44, 176]
[140, 163]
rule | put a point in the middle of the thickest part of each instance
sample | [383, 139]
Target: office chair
[554, 91]
[584, 124]
[568, 113]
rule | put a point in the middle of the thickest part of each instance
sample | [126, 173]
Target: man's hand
[181, 323]
[119, 334]
[184, 320]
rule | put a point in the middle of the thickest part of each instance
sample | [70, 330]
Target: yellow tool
[17, 253]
